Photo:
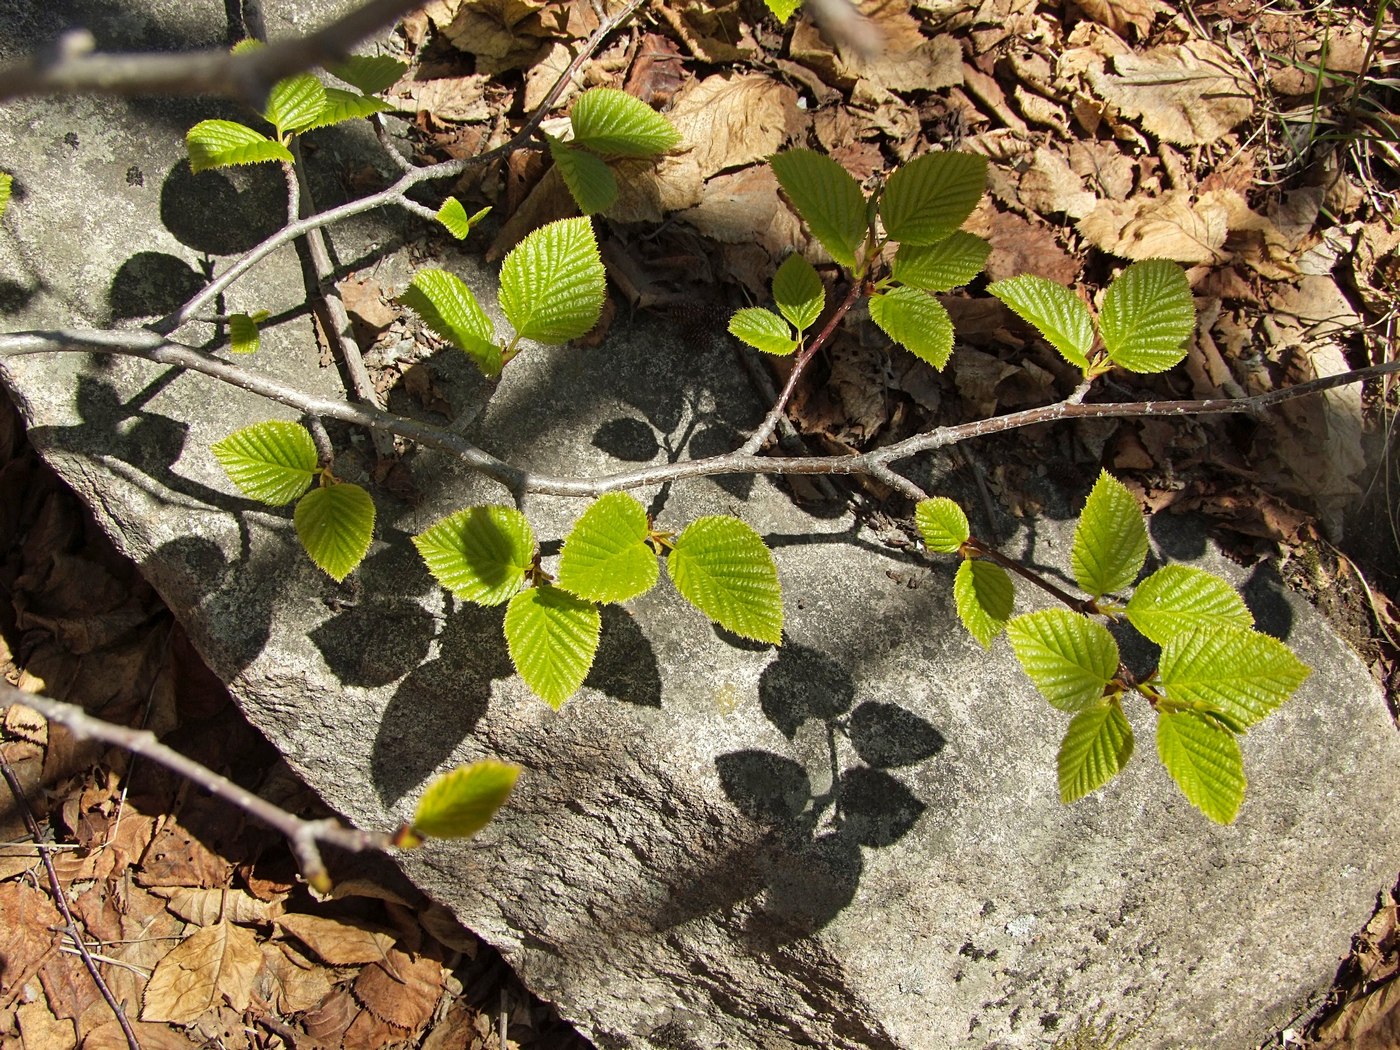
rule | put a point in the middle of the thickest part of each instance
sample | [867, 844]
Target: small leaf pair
[982, 591]
[276, 462]
[607, 123]
[1147, 316]
[800, 298]
[552, 289]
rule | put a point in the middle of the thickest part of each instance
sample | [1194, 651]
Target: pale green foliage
[271, 462]
[942, 524]
[589, 179]
[221, 143]
[763, 330]
[6, 182]
[552, 282]
[606, 557]
[243, 334]
[449, 308]
[722, 567]
[799, 293]
[455, 219]
[459, 803]
[340, 105]
[984, 597]
[1230, 670]
[1096, 746]
[1147, 315]
[1056, 312]
[295, 103]
[916, 321]
[1070, 658]
[1179, 599]
[335, 524]
[828, 199]
[369, 74]
[480, 554]
[1110, 541]
[925, 200]
[552, 637]
[783, 9]
[1203, 757]
[943, 265]
[612, 122]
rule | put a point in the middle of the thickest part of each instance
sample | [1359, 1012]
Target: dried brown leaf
[1190, 94]
[340, 942]
[26, 937]
[1122, 15]
[460, 99]
[1171, 226]
[215, 963]
[907, 60]
[109, 1036]
[1369, 1023]
[744, 206]
[329, 1021]
[207, 907]
[294, 983]
[403, 990]
[39, 1029]
[734, 120]
[1050, 187]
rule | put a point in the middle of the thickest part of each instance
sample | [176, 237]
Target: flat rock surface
[851, 841]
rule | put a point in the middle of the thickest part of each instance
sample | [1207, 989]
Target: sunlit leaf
[552, 637]
[589, 179]
[1235, 670]
[826, 198]
[341, 105]
[461, 802]
[927, 199]
[1179, 599]
[763, 330]
[948, 263]
[222, 143]
[295, 103]
[983, 595]
[798, 291]
[455, 219]
[916, 321]
[612, 122]
[243, 335]
[606, 557]
[369, 73]
[942, 524]
[1070, 658]
[552, 282]
[1110, 541]
[272, 462]
[480, 554]
[336, 524]
[6, 182]
[1096, 746]
[722, 567]
[1055, 311]
[1147, 315]
[783, 9]
[1204, 759]
[449, 308]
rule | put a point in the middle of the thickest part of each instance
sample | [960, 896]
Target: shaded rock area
[852, 841]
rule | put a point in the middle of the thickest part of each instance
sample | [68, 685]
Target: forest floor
[1256, 143]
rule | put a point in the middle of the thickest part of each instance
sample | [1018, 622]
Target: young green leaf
[221, 143]
[295, 103]
[552, 282]
[455, 218]
[480, 554]
[1055, 311]
[1096, 746]
[916, 321]
[587, 175]
[606, 557]
[1110, 541]
[1204, 759]
[1147, 316]
[1235, 670]
[783, 9]
[942, 524]
[271, 462]
[335, 524]
[763, 330]
[1177, 599]
[369, 73]
[799, 293]
[448, 307]
[1070, 658]
[983, 595]
[341, 105]
[927, 199]
[721, 567]
[243, 335]
[826, 198]
[612, 122]
[6, 182]
[460, 803]
[951, 262]
[552, 637]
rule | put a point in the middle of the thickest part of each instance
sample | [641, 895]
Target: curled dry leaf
[207, 907]
[1190, 94]
[215, 963]
[1122, 15]
[403, 990]
[293, 982]
[1172, 226]
[731, 121]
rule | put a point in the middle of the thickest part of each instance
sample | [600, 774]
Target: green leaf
[246, 45]
[763, 330]
[295, 103]
[587, 175]
[1178, 599]
[243, 334]
[609, 121]
[552, 637]
[336, 524]
[272, 462]
[721, 567]
[1057, 313]
[6, 182]
[1147, 316]
[552, 282]
[342, 105]
[460, 803]
[942, 524]
[916, 321]
[951, 262]
[1110, 541]
[453, 216]
[1204, 759]
[480, 554]
[221, 143]
[931, 196]
[1096, 746]
[783, 9]
[1070, 658]
[1235, 670]
[606, 557]
[448, 307]
[799, 293]
[826, 198]
[983, 595]
[369, 73]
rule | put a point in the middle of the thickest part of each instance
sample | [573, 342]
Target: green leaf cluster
[920, 208]
[1216, 675]
[1147, 315]
[488, 555]
[276, 462]
[800, 297]
[607, 124]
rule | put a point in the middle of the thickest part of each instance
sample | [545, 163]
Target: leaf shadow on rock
[1265, 594]
[223, 211]
[625, 666]
[151, 284]
[440, 702]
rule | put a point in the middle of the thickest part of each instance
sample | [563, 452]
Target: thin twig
[304, 836]
[1079, 605]
[70, 927]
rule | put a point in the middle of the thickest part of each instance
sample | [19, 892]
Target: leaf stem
[1079, 605]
